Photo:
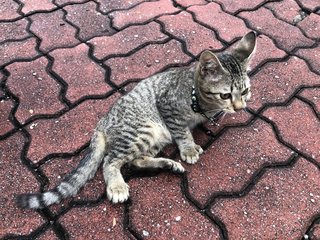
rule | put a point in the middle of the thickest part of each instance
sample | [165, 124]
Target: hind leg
[162, 163]
[117, 188]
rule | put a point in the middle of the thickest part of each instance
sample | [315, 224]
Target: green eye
[245, 92]
[225, 95]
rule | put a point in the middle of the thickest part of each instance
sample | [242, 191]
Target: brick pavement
[64, 62]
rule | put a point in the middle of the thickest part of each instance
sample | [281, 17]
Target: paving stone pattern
[63, 63]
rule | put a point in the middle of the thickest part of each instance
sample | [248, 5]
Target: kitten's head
[222, 79]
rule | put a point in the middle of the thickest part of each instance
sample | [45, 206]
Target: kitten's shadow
[134, 172]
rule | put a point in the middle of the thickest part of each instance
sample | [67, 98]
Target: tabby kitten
[160, 109]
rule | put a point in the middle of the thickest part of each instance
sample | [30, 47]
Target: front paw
[118, 192]
[191, 154]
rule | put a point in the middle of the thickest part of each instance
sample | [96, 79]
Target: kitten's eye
[225, 95]
[245, 92]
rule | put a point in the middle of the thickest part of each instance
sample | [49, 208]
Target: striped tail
[72, 183]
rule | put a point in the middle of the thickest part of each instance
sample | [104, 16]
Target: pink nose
[237, 106]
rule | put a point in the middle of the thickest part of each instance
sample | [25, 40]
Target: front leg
[189, 151]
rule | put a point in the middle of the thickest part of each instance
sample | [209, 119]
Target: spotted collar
[197, 109]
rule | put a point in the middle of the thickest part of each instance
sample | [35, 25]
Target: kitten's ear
[245, 47]
[209, 64]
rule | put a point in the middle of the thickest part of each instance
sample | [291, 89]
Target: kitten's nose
[238, 106]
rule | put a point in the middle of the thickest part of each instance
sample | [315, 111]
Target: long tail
[72, 183]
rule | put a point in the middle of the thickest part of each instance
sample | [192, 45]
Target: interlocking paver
[282, 78]
[37, 91]
[183, 27]
[12, 174]
[153, 57]
[48, 235]
[235, 6]
[95, 24]
[281, 204]
[293, 37]
[5, 124]
[306, 125]
[95, 222]
[230, 162]
[13, 30]
[212, 15]
[53, 30]
[313, 95]
[107, 5]
[315, 232]
[83, 76]
[286, 10]
[187, 3]
[9, 10]
[11, 51]
[30, 6]
[61, 64]
[67, 2]
[311, 25]
[67, 133]
[160, 210]
[311, 5]
[312, 56]
[141, 13]
[126, 40]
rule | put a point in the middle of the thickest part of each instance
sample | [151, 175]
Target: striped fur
[156, 112]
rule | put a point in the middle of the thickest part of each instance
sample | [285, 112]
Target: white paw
[191, 154]
[177, 167]
[118, 192]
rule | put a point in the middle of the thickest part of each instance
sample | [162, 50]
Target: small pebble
[145, 233]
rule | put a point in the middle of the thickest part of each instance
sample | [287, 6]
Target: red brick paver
[231, 161]
[53, 30]
[304, 121]
[286, 10]
[293, 37]
[95, 24]
[213, 16]
[161, 213]
[17, 50]
[63, 63]
[280, 205]
[141, 13]
[83, 76]
[15, 221]
[284, 79]
[37, 5]
[183, 27]
[235, 6]
[126, 40]
[8, 10]
[67, 133]
[6, 108]
[13, 30]
[312, 56]
[311, 24]
[154, 57]
[310, 4]
[37, 90]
